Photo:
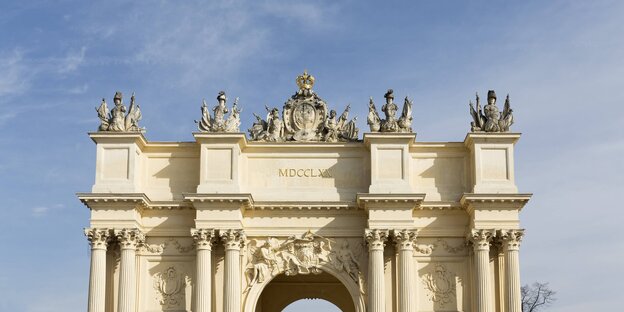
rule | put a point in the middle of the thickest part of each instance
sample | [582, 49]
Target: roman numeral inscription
[305, 173]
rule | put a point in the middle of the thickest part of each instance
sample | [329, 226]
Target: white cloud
[14, 78]
[72, 61]
[40, 211]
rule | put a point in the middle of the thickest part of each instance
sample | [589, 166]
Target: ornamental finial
[305, 81]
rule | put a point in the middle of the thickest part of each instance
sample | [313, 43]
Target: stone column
[376, 291]
[511, 246]
[129, 240]
[404, 243]
[98, 238]
[204, 238]
[233, 241]
[481, 243]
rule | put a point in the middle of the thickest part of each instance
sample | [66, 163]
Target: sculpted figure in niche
[218, 122]
[117, 119]
[490, 119]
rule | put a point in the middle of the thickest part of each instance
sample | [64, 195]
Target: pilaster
[129, 240]
[376, 239]
[510, 239]
[404, 241]
[204, 239]
[233, 241]
[99, 239]
[481, 240]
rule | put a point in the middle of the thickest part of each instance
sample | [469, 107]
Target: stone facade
[226, 224]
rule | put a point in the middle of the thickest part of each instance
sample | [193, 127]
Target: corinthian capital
[98, 237]
[481, 239]
[129, 238]
[376, 239]
[204, 238]
[232, 239]
[404, 239]
[510, 239]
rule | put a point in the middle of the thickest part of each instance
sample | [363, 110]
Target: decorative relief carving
[440, 285]
[427, 249]
[170, 286]
[404, 239]
[391, 123]
[204, 238]
[490, 119]
[305, 117]
[481, 238]
[117, 120]
[130, 238]
[98, 237]
[301, 255]
[232, 239]
[171, 242]
[510, 239]
[376, 239]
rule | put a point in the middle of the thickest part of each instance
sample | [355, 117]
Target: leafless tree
[536, 296]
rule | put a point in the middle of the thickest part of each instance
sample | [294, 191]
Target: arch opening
[285, 290]
[311, 305]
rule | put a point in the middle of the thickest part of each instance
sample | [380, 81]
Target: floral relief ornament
[170, 286]
[440, 285]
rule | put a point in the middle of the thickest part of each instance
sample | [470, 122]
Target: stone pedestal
[219, 169]
[390, 161]
[119, 160]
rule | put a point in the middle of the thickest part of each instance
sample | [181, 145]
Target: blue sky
[561, 61]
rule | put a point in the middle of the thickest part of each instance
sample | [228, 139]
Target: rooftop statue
[490, 119]
[391, 123]
[117, 120]
[217, 122]
[305, 118]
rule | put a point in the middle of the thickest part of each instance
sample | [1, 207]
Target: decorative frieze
[169, 243]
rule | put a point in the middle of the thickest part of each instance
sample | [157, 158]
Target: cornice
[243, 200]
[366, 199]
[491, 137]
[389, 137]
[272, 206]
[121, 200]
[220, 138]
[471, 201]
[114, 137]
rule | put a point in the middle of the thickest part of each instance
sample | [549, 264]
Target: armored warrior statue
[391, 123]
[490, 119]
[117, 119]
[304, 118]
[218, 122]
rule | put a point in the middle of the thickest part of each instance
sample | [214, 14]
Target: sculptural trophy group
[305, 117]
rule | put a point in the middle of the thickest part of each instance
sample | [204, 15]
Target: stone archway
[284, 290]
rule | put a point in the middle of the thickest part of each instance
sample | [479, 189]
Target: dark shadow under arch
[284, 290]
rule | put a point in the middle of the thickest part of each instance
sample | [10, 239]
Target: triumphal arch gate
[306, 206]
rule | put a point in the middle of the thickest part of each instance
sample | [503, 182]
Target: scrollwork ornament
[510, 239]
[130, 238]
[204, 238]
[98, 237]
[440, 285]
[170, 285]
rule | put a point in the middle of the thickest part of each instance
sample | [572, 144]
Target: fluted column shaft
[98, 238]
[511, 246]
[204, 238]
[129, 240]
[233, 241]
[404, 242]
[376, 289]
[481, 243]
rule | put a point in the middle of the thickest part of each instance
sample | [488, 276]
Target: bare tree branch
[536, 297]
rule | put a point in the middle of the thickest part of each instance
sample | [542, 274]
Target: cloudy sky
[562, 62]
